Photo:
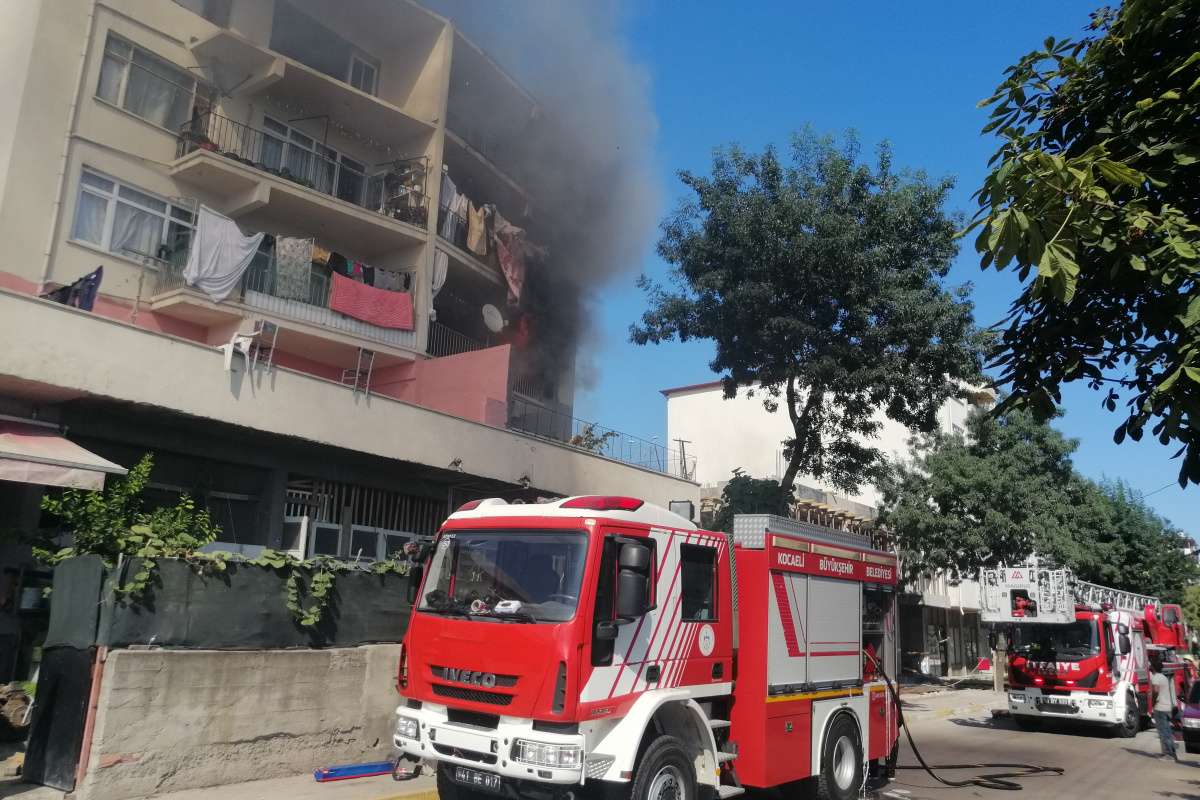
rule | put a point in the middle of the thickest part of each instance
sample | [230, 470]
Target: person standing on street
[1164, 708]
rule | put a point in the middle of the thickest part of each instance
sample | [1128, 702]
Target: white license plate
[476, 778]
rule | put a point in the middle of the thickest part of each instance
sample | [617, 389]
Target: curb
[419, 794]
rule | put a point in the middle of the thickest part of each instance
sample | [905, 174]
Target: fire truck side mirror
[1125, 645]
[633, 581]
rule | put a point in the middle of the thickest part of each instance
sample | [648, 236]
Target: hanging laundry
[339, 264]
[368, 273]
[449, 196]
[477, 240]
[391, 280]
[376, 306]
[441, 268]
[510, 251]
[320, 255]
[80, 294]
[460, 210]
[219, 255]
[293, 267]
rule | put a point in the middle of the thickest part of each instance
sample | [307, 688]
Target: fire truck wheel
[665, 772]
[1129, 727]
[841, 761]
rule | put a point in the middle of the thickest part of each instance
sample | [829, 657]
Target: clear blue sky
[908, 72]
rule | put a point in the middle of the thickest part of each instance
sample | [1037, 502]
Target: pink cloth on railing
[377, 306]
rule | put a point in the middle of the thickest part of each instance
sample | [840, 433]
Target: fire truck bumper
[1076, 706]
[495, 759]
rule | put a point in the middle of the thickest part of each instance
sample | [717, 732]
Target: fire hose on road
[1000, 781]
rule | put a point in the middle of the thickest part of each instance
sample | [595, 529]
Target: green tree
[746, 495]
[819, 281]
[1010, 490]
[1095, 193]
[1191, 606]
[995, 497]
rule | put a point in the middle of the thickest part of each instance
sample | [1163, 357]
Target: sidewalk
[303, 787]
[941, 703]
[299, 787]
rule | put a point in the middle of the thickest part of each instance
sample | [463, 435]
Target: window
[122, 219]
[606, 596]
[327, 170]
[698, 583]
[1170, 615]
[538, 572]
[145, 85]
[364, 73]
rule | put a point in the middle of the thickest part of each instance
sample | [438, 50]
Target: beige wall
[740, 433]
[112, 360]
[175, 719]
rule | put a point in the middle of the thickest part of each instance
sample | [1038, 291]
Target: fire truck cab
[600, 643]
[1080, 651]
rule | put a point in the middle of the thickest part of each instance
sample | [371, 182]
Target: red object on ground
[381, 307]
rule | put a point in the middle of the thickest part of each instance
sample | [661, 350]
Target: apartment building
[940, 630]
[285, 245]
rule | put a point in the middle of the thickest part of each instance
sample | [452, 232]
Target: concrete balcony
[310, 334]
[128, 364]
[257, 69]
[252, 170]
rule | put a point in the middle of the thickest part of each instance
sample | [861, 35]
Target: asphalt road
[1096, 766]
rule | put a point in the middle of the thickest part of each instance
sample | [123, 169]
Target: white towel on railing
[219, 255]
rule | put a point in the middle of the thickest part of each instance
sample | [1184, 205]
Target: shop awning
[36, 454]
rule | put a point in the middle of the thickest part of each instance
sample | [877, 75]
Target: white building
[940, 629]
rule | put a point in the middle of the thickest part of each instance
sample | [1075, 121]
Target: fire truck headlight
[407, 728]
[1100, 703]
[561, 756]
[1013, 697]
[1191, 722]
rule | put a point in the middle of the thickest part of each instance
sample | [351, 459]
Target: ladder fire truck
[1078, 650]
[602, 644]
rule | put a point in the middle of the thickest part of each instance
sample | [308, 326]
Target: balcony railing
[261, 289]
[445, 341]
[394, 189]
[537, 420]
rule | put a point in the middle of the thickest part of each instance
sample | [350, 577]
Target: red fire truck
[603, 643]
[1078, 650]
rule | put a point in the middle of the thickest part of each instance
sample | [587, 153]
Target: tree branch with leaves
[819, 280]
[1094, 201]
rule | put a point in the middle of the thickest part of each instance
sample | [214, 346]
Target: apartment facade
[312, 247]
[940, 631]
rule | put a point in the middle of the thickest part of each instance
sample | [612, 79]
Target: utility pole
[683, 469]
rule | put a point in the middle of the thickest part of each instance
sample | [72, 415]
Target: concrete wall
[740, 433]
[76, 351]
[169, 720]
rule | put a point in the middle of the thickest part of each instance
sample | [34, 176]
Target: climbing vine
[113, 525]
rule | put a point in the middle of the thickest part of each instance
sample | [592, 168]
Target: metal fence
[445, 341]
[535, 419]
[263, 289]
[395, 189]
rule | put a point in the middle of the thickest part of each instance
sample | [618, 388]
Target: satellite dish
[492, 318]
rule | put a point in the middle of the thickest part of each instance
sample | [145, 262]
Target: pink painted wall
[472, 385]
[112, 308]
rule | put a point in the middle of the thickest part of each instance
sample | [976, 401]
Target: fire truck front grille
[470, 755]
[472, 695]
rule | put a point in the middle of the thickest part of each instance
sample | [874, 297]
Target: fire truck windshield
[1049, 642]
[513, 576]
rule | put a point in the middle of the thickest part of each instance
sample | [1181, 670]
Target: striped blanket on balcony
[380, 307]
